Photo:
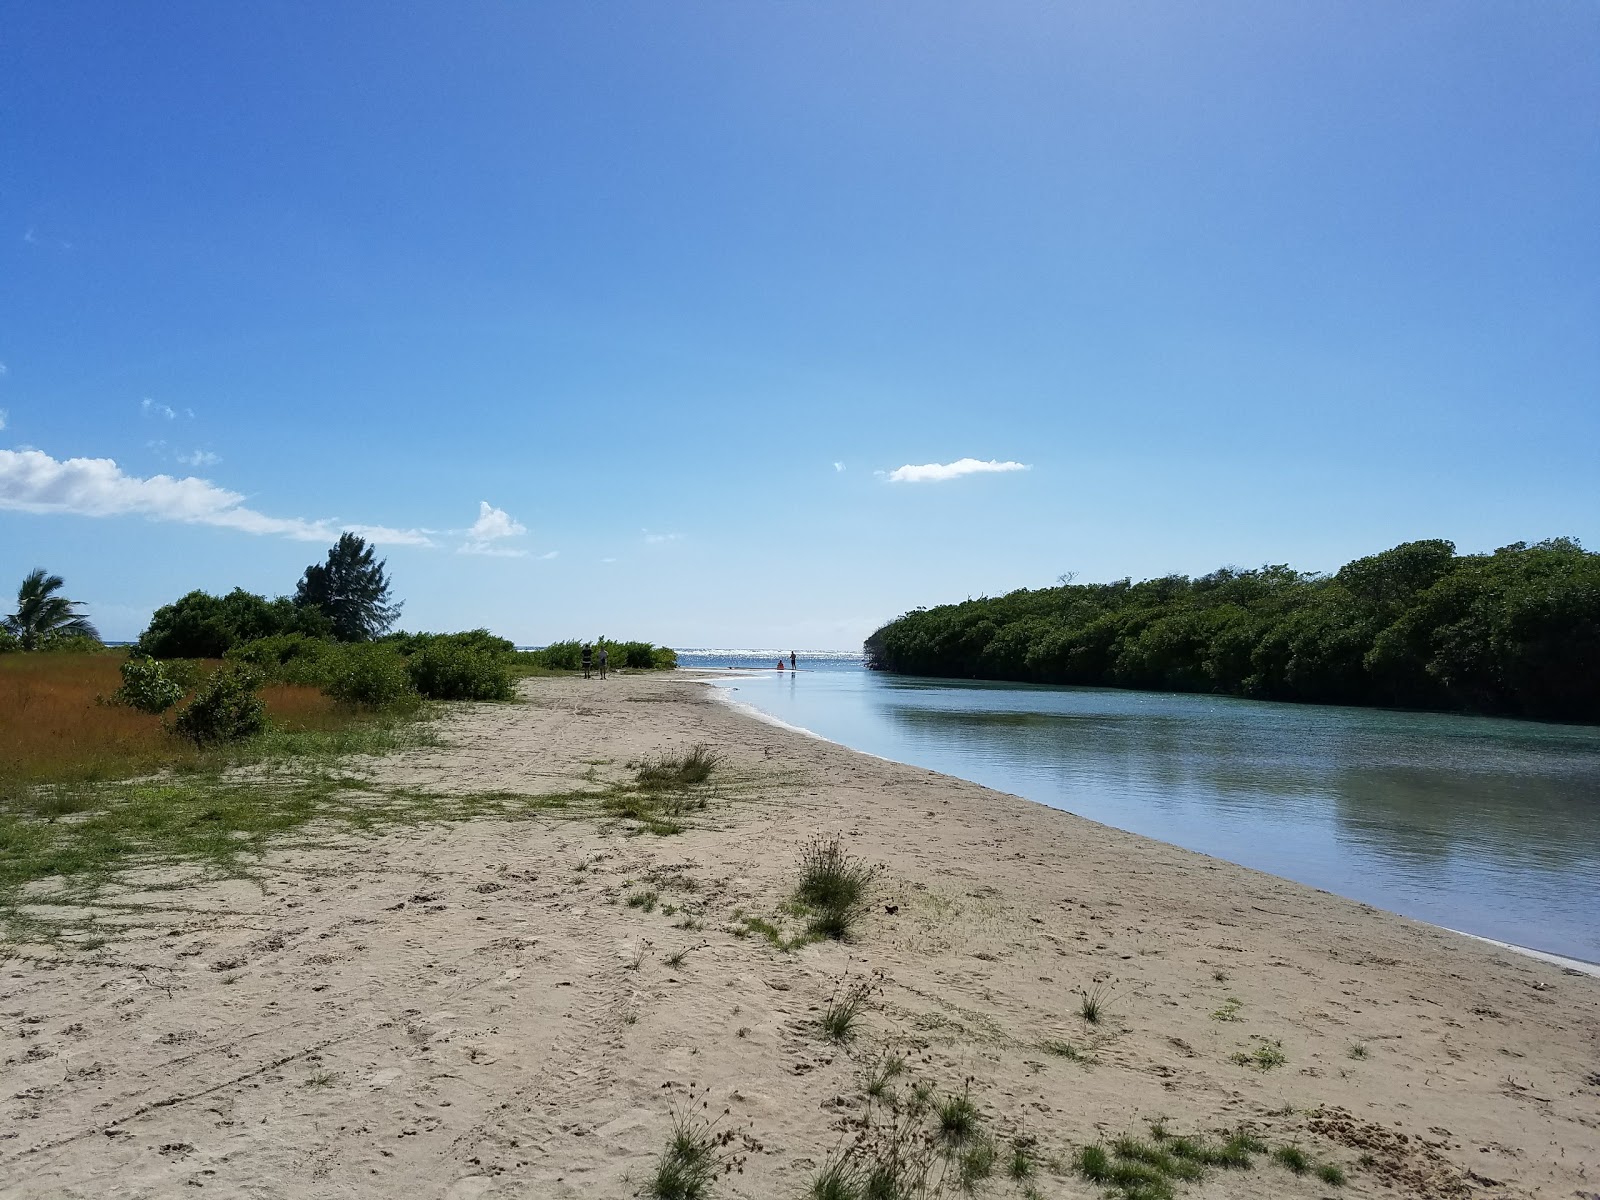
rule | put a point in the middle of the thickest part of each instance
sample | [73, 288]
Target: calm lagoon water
[1487, 826]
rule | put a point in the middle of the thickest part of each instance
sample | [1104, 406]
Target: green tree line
[1515, 632]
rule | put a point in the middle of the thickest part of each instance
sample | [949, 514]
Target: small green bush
[8, 642]
[447, 670]
[367, 676]
[147, 686]
[71, 643]
[289, 658]
[227, 708]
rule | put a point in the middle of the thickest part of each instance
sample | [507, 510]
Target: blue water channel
[1488, 826]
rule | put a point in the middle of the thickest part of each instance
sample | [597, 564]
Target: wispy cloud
[198, 458]
[657, 539]
[838, 466]
[33, 481]
[548, 555]
[4, 417]
[150, 408]
[2, 368]
[939, 472]
[492, 526]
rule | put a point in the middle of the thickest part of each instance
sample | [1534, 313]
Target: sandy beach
[475, 1009]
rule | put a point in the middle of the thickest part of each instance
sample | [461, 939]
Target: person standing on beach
[603, 657]
[588, 657]
[791, 660]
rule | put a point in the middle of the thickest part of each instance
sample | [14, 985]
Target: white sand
[455, 1011]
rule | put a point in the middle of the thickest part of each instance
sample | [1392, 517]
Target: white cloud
[2, 368]
[150, 408]
[4, 417]
[548, 555]
[32, 481]
[939, 472]
[838, 466]
[492, 525]
[198, 458]
[656, 539]
[608, 560]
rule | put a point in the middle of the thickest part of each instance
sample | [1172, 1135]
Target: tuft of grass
[678, 772]
[1292, 1157]
[958, 1118]
[644, 900]
[977, 1161]
[888, 1068]
[1066, 1050]
[833, 886]
[839, 1179]
[321, 1079]
[1229, 1010]
[1094, 1164]
[1367, 1161]
[1020, 1165]
[1093, 1004]
[850, 999]
[1138, 1170]
[1331, 1174]
[677, 958]
[699, 1151]
[1358, 1050]
[1267, 1055]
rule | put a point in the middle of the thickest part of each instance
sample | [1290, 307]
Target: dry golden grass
[54, 730]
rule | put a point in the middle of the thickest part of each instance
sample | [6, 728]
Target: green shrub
[563, 656]
[227, 708]
[8, 642]
[447, 670]
[204, 626]
[288, 658]
[370, 677]
[71, 643]
[480, 640]
[147, 687]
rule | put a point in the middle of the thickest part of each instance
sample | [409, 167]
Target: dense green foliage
[446, 669]
[1514, 632]
[373, 677]
[640, 656]
[351, 589]
[227, 708]
[147, 686]
[44, 619]
[204, 626]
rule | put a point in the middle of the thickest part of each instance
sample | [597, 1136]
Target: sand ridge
[475, 1009]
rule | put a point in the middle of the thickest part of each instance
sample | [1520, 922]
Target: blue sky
[620, 318]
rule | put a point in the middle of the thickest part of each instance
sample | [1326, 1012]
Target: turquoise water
[1487, 826]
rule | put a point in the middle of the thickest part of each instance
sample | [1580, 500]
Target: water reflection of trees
[1406, 791]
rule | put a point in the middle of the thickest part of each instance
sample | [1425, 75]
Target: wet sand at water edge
[475, 1009]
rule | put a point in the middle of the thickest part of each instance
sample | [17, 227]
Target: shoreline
[1580, 965]
[516, 1004]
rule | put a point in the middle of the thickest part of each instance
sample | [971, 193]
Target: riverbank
[515, 1006]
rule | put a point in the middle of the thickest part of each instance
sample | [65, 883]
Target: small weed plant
[1265, 1057]
[850, 999]
[700, 1151]
[1094, 1003]
[227, 708]
[1137, 1169]
[147, 686]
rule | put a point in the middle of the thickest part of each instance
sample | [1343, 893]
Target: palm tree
[42, 615]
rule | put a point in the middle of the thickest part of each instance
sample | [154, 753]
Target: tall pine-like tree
[351, 590]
